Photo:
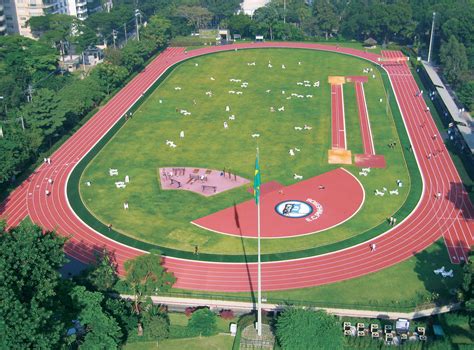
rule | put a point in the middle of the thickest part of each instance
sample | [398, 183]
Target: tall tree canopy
[43, 113]
[158, 31]
[454, 59]
[97, 329]
[29, 263]
[198, 17]
[145, 275]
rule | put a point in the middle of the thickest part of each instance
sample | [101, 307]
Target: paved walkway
[239, 307]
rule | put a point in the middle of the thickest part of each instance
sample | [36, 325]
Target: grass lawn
[138, 149]
[456, 326]
[220, 341]
[216, 342]
[400, 287]
[180, 319]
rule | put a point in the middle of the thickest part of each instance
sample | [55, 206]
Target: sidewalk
[242, 307]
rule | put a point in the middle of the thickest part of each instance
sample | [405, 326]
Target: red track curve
[451, 216]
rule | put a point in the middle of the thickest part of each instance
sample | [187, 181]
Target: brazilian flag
[256, 181]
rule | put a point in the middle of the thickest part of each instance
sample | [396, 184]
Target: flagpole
[259, 317]
[259, 306]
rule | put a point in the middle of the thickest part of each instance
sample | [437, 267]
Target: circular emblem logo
[294, 209]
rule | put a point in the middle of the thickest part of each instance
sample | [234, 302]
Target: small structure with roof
[370, 43]
[93, 55]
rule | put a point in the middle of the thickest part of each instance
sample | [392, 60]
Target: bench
[179, 171]
[204, 187]
[120, 184]
[175, 181]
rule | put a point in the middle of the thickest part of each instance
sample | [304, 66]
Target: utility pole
[137, 13]
[431, 37]
[284, 11]
[125, 31]
[29, 93]
[4, 104]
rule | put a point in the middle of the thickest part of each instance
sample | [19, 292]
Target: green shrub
[203, 322]
[156, 327]
[190, 41]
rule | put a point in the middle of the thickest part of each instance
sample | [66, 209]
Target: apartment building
[18, 12]
[3, 23]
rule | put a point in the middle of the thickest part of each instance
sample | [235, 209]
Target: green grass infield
[161, 219]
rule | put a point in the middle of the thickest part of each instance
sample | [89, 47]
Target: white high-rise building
[3, 23]
[249, 6]
[78, 8]
[18, 12]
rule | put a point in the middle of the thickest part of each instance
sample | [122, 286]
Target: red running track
[456, 222]
[338, 123]
[451, 215]
[365, 130]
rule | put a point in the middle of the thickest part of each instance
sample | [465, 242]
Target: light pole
[125, 32]
[431, 37]
[137, 14]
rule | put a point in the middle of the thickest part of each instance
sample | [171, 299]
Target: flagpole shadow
[237, 222]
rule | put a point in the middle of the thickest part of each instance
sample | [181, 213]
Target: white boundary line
[372, 145]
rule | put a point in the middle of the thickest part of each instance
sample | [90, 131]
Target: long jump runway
[451, 216]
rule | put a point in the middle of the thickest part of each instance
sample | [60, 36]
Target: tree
[113, 56]
[132, 55]
[145, 275]
[156, 323]
[287, 32]
[198, 17]
[87, 95]
[110, 76]
[55, 29]
[158, 31]
[43, 113]
[122, 311]
[103, 274]
[221, 8]
[96, 329]
[29, 263]
[102, 23]
[466, 294]
[306, 329]
[325, 17]
[23, 61]
[84, 38]
[466, 94]
[267, 17]
[354, 24]
[203, 322]
[240, 24]
[454, 60]
[16, 149]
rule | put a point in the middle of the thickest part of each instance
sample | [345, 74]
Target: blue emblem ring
[294, 209]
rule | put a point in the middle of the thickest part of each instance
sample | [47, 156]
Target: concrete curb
[244, 307]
